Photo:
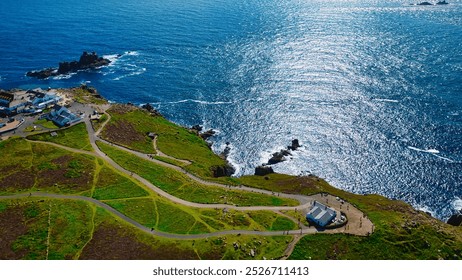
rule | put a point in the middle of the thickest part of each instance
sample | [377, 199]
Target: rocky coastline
[276, 158]
[86, 61]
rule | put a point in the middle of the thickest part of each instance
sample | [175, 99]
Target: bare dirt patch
[62, 160]
[12, 226]
[113, 242]
[78, 178]
[9, 168]
[123, 133]
[122, 109]
[59, 178]
[23, 179]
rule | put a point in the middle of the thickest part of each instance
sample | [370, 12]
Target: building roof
[6, 96]
[321, 214]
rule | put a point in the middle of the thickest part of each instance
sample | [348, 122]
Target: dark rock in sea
[277, 157]
[197, 128]
[442, 3]
[43, 74]
[295, 145]
[222, 170]
[148, 107]
[263, 170]
[425, 4]
[86, 61]
[280, 156]
[225, 152]
[456, 219]
[209, 133]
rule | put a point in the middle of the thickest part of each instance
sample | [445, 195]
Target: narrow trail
[49, 231]
[160, 153]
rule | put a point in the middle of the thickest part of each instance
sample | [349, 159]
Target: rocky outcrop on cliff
[148, 107]
[263, 170]
[206, 135]
[86, 61]
[456, 219]
[222, 170]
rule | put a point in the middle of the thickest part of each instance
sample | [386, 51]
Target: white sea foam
[387, 100]
[197, 101]
[426, 209]
[113, 58]
[64, 77]
[231, 158]
[238, 167]
[433, 152]
[457, 203]
[134, 73]
[444, 158]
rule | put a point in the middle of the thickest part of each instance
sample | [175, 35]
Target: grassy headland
[40, 228]
[129, 126]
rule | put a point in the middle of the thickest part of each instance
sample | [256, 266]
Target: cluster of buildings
[26, 102]
[35, 102]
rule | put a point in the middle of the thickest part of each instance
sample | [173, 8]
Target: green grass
[68, 231]
[81, 230]
[178, 184]
[272, 221]
[113, 185]
[74, 137]
[141, 245]
[173, 219]
[142, 210]
[422, 242]
[70, 228]
[46, 124]
[172, 139]
[171, 161]
[40, 167]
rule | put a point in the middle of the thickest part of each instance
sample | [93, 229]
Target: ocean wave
[386, 100]
[196, 101]
[116, 57]
[457, 203]
[64, 76]
[430, 151]
[444, 158]
[231, 158]
[425, 208]
[134, 73]
[433, 152]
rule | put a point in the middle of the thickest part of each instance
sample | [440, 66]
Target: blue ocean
[372, 89]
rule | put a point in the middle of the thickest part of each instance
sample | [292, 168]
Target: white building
[320, 214]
